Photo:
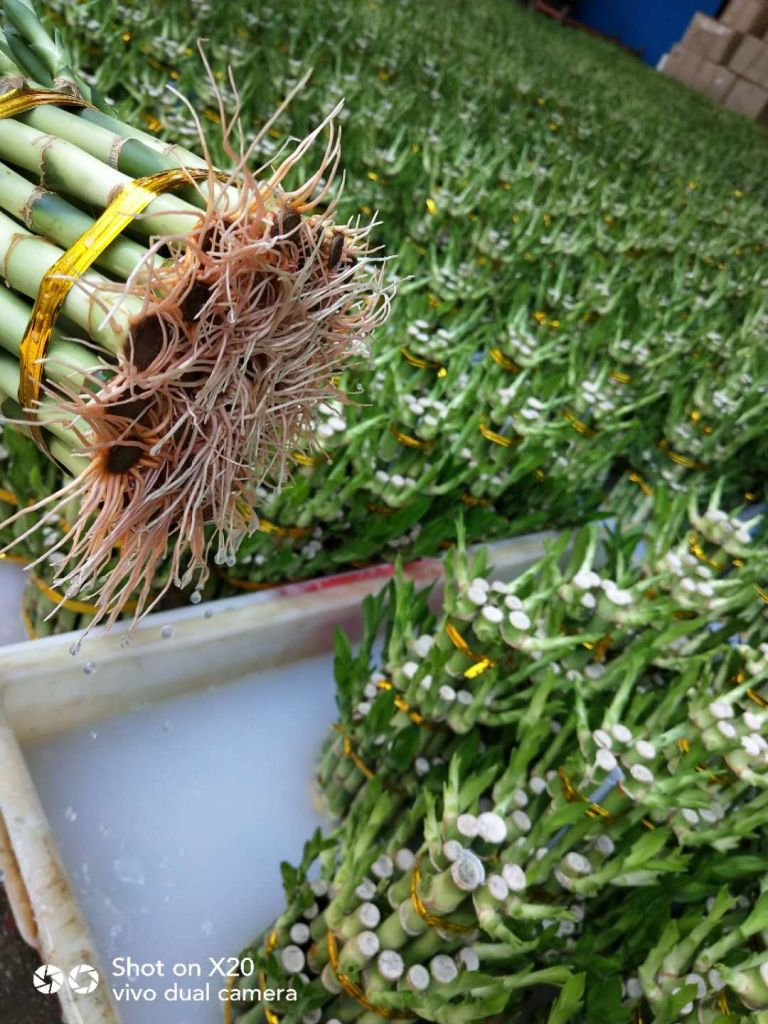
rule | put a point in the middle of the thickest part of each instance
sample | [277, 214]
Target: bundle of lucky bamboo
[183, 371]
[597, 725]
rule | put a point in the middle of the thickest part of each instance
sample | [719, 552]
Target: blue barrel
[651, 27]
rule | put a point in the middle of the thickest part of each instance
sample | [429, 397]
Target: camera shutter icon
[83, 979]
[48, 979]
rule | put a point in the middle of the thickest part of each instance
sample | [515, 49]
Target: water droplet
[89, 668]
[129, 870]
[231, 560]
[208, 613]
[219, 558]
[94, 734]
[166, 632]
[125, 641]
[195, 597]
[166, 726]
[70, 813]
[74, 650]
[231, 316]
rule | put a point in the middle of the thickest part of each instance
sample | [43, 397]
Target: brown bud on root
[145, 342]
[121, 457]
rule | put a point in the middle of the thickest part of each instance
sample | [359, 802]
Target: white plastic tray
[150, 789]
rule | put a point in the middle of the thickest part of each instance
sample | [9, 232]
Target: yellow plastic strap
[284, 531]
[241, 584]
[422, 363]
[432, 919]
[28, 625]
[696, 549]
[680, 460]
[310, 460]
[491, 435]
[646, 488]
[71, 604]
[411, 442]
[470, 499]
[60, 278]
[620, 376]
[577, 424]
[504, 361]
[348, 751]
[402, 704]
[482, 661]
[271, 1016]
[8, 497]
[353, 990]
[18, 101]
[381, 510]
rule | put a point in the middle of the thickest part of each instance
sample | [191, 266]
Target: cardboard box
[750, 60]
[710, 39]
[747, 16]
[682, 66]
[714, 81]
[748, 99]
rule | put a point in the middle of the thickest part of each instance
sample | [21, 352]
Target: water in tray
[172, 821]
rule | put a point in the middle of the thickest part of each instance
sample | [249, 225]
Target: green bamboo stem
[66, 361]
[116, 144]
[9, 386]
[49, 215]
[66, 168]
[25, 260]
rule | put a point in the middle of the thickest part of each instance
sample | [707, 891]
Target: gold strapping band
[353, 990]
[18, 101]
[482, 661]
[249, 585]
[271, 1016]
[757, 698]
[402, 704]
[310, 460]
[348, 751]
[577, 424]
[432, 919]
[646, 488]
[8, 497]
[696, 549]
[284, 531]
[59, 279]
[504, 361]
[491, 435]
[406, 439]
[422, 363]
[762, 594]
[572, 795]
[71, 604]
[677, 457]
[620, 376]
[470, 499]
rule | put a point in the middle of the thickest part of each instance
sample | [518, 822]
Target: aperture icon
[48, 979]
